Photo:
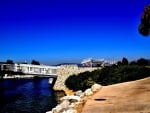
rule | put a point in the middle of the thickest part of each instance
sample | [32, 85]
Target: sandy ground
[129, 97]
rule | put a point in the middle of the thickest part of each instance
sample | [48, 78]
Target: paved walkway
[130, 97]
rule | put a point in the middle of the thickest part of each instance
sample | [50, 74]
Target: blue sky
[57, 31]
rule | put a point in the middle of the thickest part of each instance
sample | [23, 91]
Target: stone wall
[65, 71]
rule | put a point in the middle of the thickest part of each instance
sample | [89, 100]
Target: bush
[82, 81]
[107, 76]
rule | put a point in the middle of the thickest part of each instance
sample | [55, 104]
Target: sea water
[26, 96]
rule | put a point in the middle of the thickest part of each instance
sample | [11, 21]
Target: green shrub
[107, 76]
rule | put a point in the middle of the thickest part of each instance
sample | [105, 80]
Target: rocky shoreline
[73, 103]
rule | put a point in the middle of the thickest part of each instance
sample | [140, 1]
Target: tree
[144, 27]
[119, 63]
[34, 62]
[9, 61]
[133, 63]
[124, 61]
[142, 62]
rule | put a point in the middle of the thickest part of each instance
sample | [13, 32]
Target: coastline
[74, 101]
[105, 98]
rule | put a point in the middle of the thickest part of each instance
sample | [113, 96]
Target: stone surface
[71, 98]
[64, 71]
[70, 111]
[69, 104]
[49, 112]
[96, 87]
[88, 92]
[60, 107]
[79, 93]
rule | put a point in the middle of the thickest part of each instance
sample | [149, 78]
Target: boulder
[70, 110]
[96, 87]
[61, 106]
[65, 104]
[71, 98]
[88, 92]
[57, 109]
[79, 93]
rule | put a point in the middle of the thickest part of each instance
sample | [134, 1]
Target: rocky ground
[74, 101]
[129, 97]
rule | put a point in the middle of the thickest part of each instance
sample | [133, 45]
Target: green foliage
[144, 27]
[124, 61]
[142, 62]
[82, 81]
[9, 61]
[34, 62]
[119, 63]
[133, 63]
[107, 76]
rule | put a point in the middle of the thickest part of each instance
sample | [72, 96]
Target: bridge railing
[30, 69]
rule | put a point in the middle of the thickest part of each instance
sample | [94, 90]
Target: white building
[92, 63]
[97, 62]
[30, 68]
[109, 63]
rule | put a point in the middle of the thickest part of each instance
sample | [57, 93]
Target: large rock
[71, 98]
[69, 111]
[65, 104]
[88, 92]
[57, 109]
[96, 87]
[61, 106]
[79, 93]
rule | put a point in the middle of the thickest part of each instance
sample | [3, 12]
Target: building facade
[29, 68]
[97, 62]
[92, 62]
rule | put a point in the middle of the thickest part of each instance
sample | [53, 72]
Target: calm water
[26, 96]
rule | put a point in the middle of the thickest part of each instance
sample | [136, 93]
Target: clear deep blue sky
[56, 31]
